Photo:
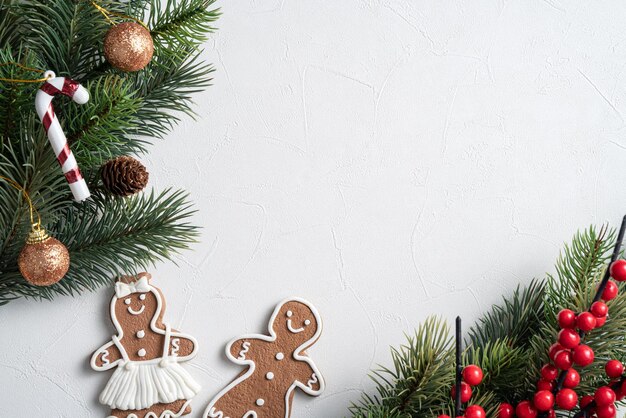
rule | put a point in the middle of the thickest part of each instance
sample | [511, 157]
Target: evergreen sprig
[125, 113]
[510, 342]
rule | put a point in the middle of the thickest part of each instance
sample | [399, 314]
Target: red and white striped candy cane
[43, 104]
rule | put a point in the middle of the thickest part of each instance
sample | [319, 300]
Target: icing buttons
[141, 352]
[260, 402]
[280, 356]
[269, 376]
[141, 334]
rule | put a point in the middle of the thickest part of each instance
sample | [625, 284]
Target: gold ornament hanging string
[36, 226]
[108, 13]
[25, 80]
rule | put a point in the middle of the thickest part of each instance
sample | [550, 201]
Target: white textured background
[385, 159]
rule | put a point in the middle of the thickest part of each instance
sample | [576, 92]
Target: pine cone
[124, 176]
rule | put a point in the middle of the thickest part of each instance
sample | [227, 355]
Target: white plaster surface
[387, 160]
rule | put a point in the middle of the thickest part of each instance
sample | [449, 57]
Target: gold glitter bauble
[44, 260]
[128, 46]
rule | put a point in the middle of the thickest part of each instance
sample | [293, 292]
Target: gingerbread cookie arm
[238, 351]
[106, 357]
[308, 377]
[182, 346]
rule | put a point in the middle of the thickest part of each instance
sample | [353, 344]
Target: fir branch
[184, 23]
[515, 320]
[578, 265]
[167, 89]
[103, 128]
[112, 236]
[420, 380]
[65, 33]
[8, 21]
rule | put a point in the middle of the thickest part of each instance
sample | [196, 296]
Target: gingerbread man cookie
[276, 365]
[148, 381]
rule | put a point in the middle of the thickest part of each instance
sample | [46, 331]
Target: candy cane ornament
[43, 104]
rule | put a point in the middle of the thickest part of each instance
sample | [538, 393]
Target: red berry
[554, 348]
[600, 321]
[586, 321]
[583, 355]
[572, 379]
[585, 400]
[564, 359]
[473, 375]
[599, 309]
[606, 411]
[551, 414]
[567, 318]
[506, 410]
[569, 338]
[566, 399]
[549, 372]
[466, 392]
[543, 400]
[614, 368]
[618, 270]
[475, 411]
[604, 396]
[543, 384]
[525, 410]
[610, 291]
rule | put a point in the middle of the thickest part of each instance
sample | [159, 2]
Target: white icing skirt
[139, 385]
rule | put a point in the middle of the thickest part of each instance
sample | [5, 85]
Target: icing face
[137, 308]
[297, 320]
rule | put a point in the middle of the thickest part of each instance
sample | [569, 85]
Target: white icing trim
[175, 346]
[210, 409]
[139, 312]
[105, 357]
[312, 381]
[165, 414]
[291, 328]
[242, 353]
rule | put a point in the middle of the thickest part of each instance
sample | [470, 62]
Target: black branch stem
[459, 368]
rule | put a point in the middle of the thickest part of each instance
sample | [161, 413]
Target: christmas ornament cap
[37, 235]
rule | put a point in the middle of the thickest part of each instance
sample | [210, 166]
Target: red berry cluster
[602, 403]
[566, 353]
[472, 376]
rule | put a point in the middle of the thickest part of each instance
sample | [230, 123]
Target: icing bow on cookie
[125, 289]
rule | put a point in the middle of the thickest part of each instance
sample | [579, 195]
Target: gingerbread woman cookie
[277, 365]
[148, 381]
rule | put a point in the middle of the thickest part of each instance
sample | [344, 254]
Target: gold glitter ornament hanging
[44, 260]
[128, 46]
